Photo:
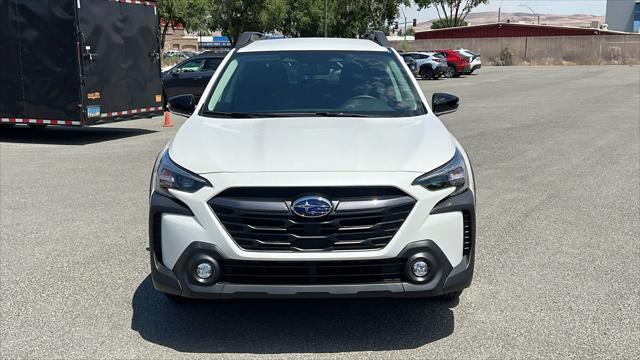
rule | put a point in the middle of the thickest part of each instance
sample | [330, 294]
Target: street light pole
[533, 12]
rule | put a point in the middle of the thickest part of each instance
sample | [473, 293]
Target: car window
[315, 83]
[191, 66]
[211, 64]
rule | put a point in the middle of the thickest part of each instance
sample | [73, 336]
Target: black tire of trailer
[37, 126]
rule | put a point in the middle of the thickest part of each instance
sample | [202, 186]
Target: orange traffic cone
[167, 119]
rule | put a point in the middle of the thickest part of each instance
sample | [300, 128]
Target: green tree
[346, 18]
[295, 18]
[356, 17]
[192, 14]
[441, 24]
[232, 17]
[451, 13]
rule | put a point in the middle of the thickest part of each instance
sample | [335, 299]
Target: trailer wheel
[7, 126]
[37, 126]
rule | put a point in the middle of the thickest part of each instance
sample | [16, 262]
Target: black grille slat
[466, 244]
[326, 272]
[363, 218]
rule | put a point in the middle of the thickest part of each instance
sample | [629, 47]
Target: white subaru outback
[312, 167]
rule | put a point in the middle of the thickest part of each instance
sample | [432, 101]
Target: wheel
[450, 72]
[450, 296]
[37, 126]
[426, 73]
[7, 125]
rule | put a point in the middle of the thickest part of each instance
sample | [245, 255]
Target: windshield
[316, 83]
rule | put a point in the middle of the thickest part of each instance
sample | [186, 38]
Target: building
[178, 39]
[623, 15]
[508, 30]
[214, 42]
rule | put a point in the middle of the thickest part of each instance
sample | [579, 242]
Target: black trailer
[78, 62]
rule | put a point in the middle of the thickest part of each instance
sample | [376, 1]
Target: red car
[457, 64]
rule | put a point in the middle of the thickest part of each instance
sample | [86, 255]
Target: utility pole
[405, 23]
[499, 10]
[325, 17]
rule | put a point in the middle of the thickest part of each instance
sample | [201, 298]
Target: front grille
[363, 218]
[312, 273]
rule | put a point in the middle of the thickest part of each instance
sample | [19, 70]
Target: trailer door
[121, 60]
[39, 76]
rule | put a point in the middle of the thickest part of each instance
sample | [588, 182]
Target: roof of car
[313, 44]
[431, 53]
[212, 54]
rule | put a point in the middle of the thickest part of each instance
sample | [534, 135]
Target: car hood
[319, 144]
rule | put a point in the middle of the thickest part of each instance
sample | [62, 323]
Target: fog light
[204, 270]
[420, 268]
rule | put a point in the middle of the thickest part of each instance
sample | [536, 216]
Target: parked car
[312, 167]
[411, 63]
[428, 66]
[474, 59]
[191, 75]
[457, 64]
[188, 54]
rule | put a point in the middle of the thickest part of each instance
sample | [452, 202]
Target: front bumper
[443, 278]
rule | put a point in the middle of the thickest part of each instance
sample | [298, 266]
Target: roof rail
[247, 38]
[378, 37]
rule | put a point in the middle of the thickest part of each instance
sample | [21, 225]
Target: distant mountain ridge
[488, 17]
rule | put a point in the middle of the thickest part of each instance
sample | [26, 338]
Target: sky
[564, 7]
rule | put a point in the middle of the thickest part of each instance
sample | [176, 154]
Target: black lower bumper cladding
[314, 279]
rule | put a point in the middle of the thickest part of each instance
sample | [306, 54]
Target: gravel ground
[556, 153]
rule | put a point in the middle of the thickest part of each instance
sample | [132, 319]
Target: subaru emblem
[311, 207]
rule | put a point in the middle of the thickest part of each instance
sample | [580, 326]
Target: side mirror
[183, 105]
[444, 103]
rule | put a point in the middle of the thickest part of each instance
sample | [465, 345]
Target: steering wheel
[362, 97]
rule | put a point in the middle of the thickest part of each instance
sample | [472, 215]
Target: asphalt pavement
[556, 153]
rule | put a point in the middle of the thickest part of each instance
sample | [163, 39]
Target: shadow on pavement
[289, 326]
[58, 135]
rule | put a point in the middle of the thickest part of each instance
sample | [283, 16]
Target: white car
[474, 59]
[427, 65]
[312, 167]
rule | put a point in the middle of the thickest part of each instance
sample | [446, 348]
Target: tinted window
[312, 83]
[211, 64]
[191, 65]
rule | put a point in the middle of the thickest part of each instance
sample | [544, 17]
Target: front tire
[426, 73]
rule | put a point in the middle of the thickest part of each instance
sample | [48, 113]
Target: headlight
[451, 174]
[169, 175]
